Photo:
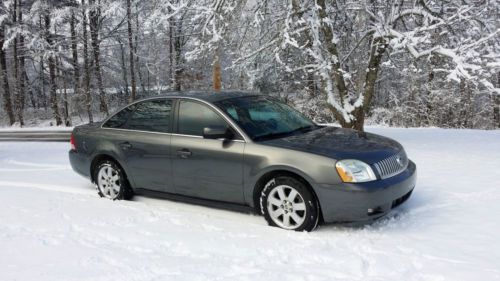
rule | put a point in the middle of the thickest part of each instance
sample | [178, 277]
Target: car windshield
[264, 118]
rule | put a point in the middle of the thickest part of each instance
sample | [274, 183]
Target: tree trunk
[310, 85]
[376, 52]
[175, 53]
[337, 74]
[171, 50]
[62, 76]
[217, 83]
[496, 105]
[42, 95]
[178, 68]
[22, 63]
[434, 62]
[466, 111]
[137, 64]
[34, 103]
[7, 103]
[94, 35]
[52, 74]
[86, 63]
[18, 108]
[67, 120]
[124, 69]
[131, 52]
[74, 51]
[378, 47]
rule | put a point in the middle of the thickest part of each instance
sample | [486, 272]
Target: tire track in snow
[158, 208]
[33, 170]
[33, 164]
[50, 187]
[30, 166]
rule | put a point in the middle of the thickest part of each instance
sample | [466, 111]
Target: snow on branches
[466, 61]
[346, 43]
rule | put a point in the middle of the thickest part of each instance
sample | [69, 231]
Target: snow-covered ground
[53, 226]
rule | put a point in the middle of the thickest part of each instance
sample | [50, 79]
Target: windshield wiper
[270, 136]
[302, 129]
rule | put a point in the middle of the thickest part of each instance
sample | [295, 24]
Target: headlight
[351, 170]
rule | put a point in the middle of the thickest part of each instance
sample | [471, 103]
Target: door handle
[125, 145]
[184, 153]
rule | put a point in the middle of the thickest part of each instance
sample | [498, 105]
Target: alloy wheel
[286, 207]
[108, 181]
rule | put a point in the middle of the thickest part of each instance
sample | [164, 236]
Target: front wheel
[111, 181]
[287, 203]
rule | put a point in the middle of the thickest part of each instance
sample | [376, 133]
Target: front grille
[393, 165]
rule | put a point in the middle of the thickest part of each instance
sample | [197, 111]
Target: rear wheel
[111, 181]
[286, 202]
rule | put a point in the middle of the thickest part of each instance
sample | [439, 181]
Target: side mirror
[217, 132]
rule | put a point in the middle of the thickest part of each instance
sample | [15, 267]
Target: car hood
[340, 143]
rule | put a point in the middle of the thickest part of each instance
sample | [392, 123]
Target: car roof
[208, 96]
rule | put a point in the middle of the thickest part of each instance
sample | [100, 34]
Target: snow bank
[54, 227]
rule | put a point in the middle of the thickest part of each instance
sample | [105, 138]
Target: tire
[287, 202]
[111, 181]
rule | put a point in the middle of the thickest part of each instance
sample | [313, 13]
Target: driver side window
[194, 116]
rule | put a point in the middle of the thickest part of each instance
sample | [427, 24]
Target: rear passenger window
[151, 116]
[119, 119]
[193, 117]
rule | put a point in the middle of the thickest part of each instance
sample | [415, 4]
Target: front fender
[260, 160]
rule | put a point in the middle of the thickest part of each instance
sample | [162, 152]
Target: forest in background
[399, 62]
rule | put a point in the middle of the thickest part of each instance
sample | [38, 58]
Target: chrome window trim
[233, 125]
[201, 137]
[169, 134]
[139, 131]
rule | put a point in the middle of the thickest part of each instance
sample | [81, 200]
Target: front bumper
[358, 202]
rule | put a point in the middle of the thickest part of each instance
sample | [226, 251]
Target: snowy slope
[54, 227]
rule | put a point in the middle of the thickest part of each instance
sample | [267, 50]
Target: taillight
[72, 142]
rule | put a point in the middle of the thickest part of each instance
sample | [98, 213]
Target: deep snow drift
[53, 226]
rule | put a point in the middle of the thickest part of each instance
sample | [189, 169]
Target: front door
[205, 168]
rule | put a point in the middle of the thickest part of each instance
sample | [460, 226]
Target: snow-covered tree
[405, 63]
[346, 43]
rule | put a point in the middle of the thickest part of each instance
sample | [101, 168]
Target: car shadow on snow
[413, 212]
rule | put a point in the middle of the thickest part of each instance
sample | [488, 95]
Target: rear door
[205, 168]
[144, 142]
